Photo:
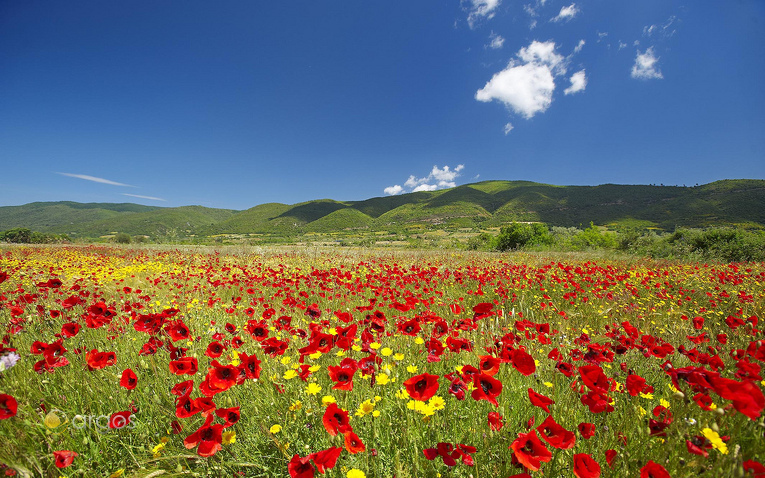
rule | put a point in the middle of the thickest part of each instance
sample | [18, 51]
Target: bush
[19, 235]
[592, 238]
[518, 235]
[122, 238]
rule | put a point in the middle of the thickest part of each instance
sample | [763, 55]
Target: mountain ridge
[488, 203]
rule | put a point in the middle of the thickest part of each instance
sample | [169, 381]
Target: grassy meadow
[143, 361]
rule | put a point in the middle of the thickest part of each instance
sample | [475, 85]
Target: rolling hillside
[485, 204]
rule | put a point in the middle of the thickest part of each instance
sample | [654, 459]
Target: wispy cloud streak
[143, 197]
[95, 179]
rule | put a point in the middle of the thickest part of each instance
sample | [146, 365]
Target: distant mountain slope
[46, 216]
[487, 203]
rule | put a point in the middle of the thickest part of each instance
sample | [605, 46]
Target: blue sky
[238, 103]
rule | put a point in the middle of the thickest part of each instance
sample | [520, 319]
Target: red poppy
[183, 388]
[342, 376]
[635, 384]
[220, 378]
[186, 407]
[698, 445]
[495, 421]
[556, 435]
[746, 396]
[489, 365]
[98, 360]
[446, 451]
[70, 329]
[335, 420]
[610, 456]
[129, 379]
[410, 327]
[249, 366]
[653, 470]
[120, 419]
[184, 366]
[530, 451]
[522, 362]
[541, 401]
[300, 467]
[353, 443]
[177, 330]
[585, 466]
[215, 350]
[8, 406]
[756, 468]
[422, 387]
[208, 437]
[64, 458]
[326, 459]
[230, 415]
[587, 430]
[594, 378]
[486, 388]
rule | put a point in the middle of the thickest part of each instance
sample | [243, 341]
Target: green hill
[484, 204]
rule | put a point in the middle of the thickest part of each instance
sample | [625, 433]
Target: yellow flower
[437, 403]
[356, 348]
[366, 407]
[717, 442]
[382, 379]
[547, 384]
[411, 368]
[398, 357]
[285, 360]
[117, 473]
[641, 411]
[356, 473]
[664, 403]
[327, 399]
[314, 368]
[313, 389]
[296, 406]
[386, 352]
[648, 396]
[315, 355]
[228, 437]
[375, 345]
[290, 374]
[275, 429]
[419, 341]
[158, 448]
[402, 394]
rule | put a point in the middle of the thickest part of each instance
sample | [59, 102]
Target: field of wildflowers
[149, 362]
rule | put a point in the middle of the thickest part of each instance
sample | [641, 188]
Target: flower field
[150, 362]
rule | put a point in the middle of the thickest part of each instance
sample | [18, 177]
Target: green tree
[122, 238]
[518, 235]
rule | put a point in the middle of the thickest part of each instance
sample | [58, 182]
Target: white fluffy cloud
[439, 178]
[578, 83]
[566, 13]
[579, 46]
[508, 127]
[393, 190]
[526, 86]
[646, 66]
[482, 9]
[495, 41]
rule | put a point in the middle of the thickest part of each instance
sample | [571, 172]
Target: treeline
[21, 235]
[719, 243]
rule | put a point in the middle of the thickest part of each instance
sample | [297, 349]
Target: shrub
[518, 235]
[122, 238]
